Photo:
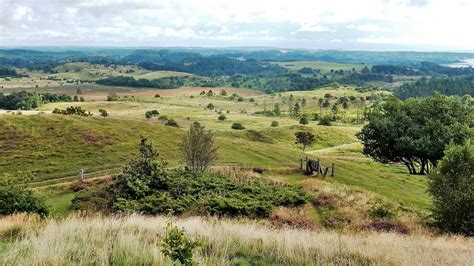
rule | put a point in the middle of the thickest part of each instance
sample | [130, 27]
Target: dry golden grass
[132, 240]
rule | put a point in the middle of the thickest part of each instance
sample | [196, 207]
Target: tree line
[426, 87]
[25, 100]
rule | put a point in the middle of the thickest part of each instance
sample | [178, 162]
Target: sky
[417, 25]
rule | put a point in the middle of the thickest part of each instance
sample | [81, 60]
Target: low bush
[147, 186]
[274, 124]
[237, 126]
[325, 120]
[15, 198]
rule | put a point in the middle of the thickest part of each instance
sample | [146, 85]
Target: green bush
[177, 245]
[147, 186]
[222, 117]
[171, 123]
[380, 210]
[237, 126]
[15, 197]
[325, 120]
[304, 121]
[274, 124]
[451, 186]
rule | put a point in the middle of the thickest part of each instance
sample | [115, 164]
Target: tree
[112, 96]
[303, 104]
[103, 113]
[198, 148]
[223, 92]
[222, 117]
[304, 139]
[304, 121]
[210, 106]
[415, 132]
[451, 186]
[296, 109]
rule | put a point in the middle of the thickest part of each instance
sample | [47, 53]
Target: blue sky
[424, 25]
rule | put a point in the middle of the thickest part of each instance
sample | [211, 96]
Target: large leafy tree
[415, 132]
[452, 189]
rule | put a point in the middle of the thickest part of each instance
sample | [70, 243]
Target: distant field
[325, 67]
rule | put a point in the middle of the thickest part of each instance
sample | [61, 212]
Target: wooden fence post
[332, 169]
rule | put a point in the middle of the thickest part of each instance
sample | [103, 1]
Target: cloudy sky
[330, 24]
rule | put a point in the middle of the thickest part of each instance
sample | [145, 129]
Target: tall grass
[133, 240]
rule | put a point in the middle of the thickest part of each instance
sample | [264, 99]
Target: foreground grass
[132, 240]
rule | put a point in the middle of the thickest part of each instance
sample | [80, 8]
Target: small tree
[112, 96]
[304, 139]
[103, 113]
[222, 117]
[177, 245]
[210, 106]
[451, 186]
[198, 148]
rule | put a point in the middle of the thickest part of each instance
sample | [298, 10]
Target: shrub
[274, 124]
[240, 99]
[147, 186]
[177, 245]
[452, 188]
[157, 95]
[222, 117]
[171, 123]
[210, 106]
[152, 113]
[380, 210]
[325, 120]
[15, 197]
[304, 121]
[237, 126]
[103, 113]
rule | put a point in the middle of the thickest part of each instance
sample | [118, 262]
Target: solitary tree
[451, 186]
[198, 148]
[415, 132]
[304, 139]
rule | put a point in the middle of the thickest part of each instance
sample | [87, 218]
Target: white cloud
[440, 23]
[313, 28]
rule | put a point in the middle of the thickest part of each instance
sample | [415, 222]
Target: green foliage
[325, 120]
[177, 245]
[72, 110]
[161, 83]
[172, 123]
[381, 210]
[274, 123]
[237, 126]
[198, 148]
[304, 121]
[304, 138]
[414, 132]
[222, 117]
[15, 197]
[447, 86]
[145, 185]
[103, 113]
[24, 100]
[152, 113]
[451, 186]
[210, 106]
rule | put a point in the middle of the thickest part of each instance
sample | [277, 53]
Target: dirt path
[335, 148]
